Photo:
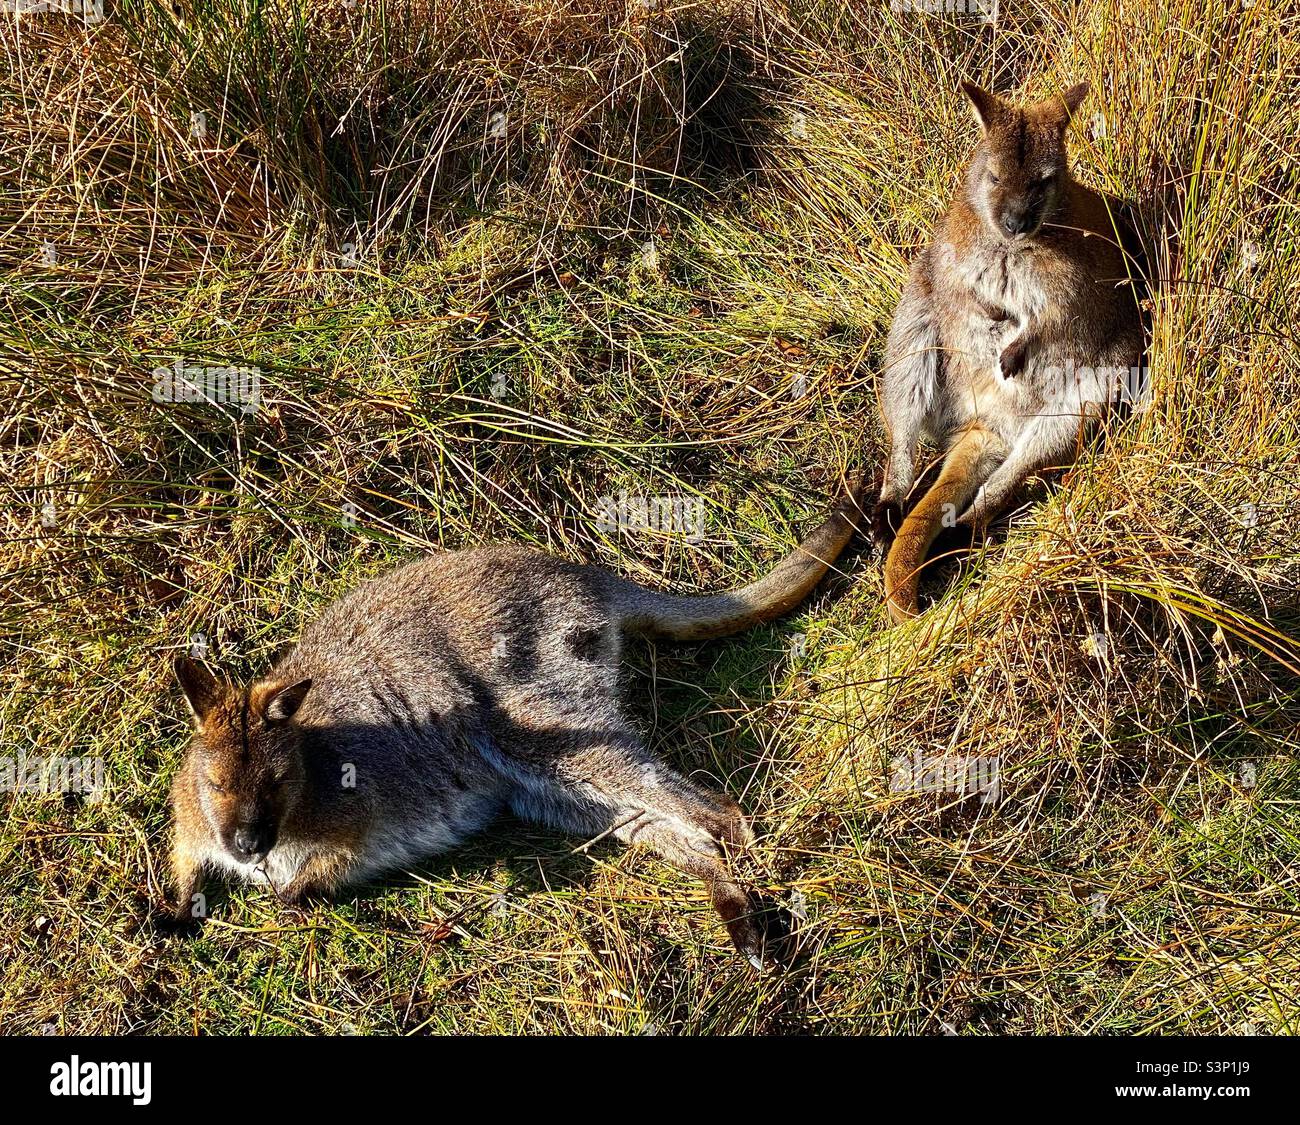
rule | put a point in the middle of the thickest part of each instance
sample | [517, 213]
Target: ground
[493, 261]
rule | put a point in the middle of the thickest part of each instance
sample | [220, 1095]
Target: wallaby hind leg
[967, 465]
[908, 388]
[618, 789]
[187, 874]
[1048, 439]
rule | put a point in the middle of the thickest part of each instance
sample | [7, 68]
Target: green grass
[693, 212]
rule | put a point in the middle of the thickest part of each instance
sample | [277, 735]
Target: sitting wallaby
[1014, 328]
[419, 706]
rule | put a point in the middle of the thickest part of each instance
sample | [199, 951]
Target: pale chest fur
[989, 300]
[1016, 281]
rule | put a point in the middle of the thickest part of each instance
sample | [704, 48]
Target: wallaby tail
[959, 481]
[693, 618]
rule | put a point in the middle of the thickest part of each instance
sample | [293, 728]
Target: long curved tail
[693, 618]
[959, 481]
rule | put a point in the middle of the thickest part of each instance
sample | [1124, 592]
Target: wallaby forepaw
[1012, 360]
[173, 920]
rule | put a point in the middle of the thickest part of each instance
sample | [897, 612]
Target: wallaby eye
[220, 790]
[994, 179]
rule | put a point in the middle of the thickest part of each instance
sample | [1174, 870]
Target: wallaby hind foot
[615, 788]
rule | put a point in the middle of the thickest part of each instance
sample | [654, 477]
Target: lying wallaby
[1013, 329]
[422, 704]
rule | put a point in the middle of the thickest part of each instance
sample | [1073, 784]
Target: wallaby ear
[987, 106]
[202, 689]
[283, 703]
[1067, 105]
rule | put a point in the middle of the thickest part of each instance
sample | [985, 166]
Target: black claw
[170, 921]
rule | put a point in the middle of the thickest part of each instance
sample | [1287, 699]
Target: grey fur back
[420, 675]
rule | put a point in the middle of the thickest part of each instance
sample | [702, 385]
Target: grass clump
[494, 260]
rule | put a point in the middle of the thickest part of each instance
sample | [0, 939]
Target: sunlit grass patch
[667, 268]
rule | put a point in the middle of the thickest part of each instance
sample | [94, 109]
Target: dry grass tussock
[495, 260]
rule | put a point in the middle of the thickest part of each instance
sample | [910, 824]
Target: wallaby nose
[250, 841]
[1016, 224]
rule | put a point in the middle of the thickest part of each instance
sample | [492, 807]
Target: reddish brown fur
[237, 761]
[1007, 336]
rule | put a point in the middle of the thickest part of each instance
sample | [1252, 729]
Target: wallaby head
[1020, 170]
[246, 757]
